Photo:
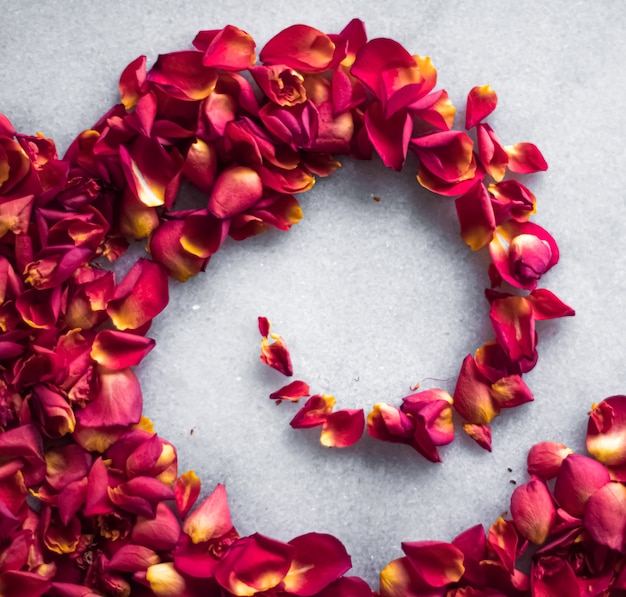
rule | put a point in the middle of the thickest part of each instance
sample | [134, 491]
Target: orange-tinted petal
[186, 491]
[211, 519]
[525, 158]
[436, 562]
[229, 48]
[276, 354]
[476, 216]
[314, 413]
[293, 392]
[133, 82]
[342, 428]
[481, 101]
[182, 75]
[236, 189]
[118, 350]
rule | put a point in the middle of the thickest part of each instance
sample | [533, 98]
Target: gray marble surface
[372, 297]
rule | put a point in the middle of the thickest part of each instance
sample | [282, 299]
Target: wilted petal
[276, 354]
[254, 564]
[118, 350]
[283, 86]
[211, 519]
[186, 491]
[317, 561]
[481, 101]
[545, 459]
[23, 584]
[52, 411]
[229, 48]
[182, 75]
[525, 158]
[264, 326]
[476, 216]
[481, 434]
[300, 47]
[293, 392]
[314, 413]
[503, 539]
[510, 391]
[343, 428]
[140, 296]
[140, 495]
[605, 516]
[15, 215]
[25, 445]
[237, 188]
[437, 563]
[533, 510]
[511, 199]
[577, 480]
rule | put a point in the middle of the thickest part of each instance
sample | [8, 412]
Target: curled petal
[314, 413]
[152, 173]
[481, 434]
[283, 86]
[437, 563]
[293, 392]
[533, 510]
[140, 296]
[476, 216]
[545, 458]
[481, 101]
[525, 158]
[389, 424]
[237, 188]
[211, 519]
[605, 516]
[186, 491]
[203, 234]
[118, 350]
[522, 252]
[513, 321]
[229, 48]
[276, 355]
[300, 47]
[491, 152]
[510, 391]
[254, 564]
[577, 480]
[343, 428]
[317, 561]
[264, 326]
[448, 155]
[511, 199]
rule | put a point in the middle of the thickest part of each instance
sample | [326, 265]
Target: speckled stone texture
[372, 297]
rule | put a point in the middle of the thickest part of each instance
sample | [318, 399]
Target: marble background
[371, 297]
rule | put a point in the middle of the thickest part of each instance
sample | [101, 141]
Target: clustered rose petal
[91, 499]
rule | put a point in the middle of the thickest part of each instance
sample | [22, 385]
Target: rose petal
[605, 516]
[481, 101]
[314, 413]
[236, 189]
[437, 563]
[525, 158]
[317, 561]
[300, 47]
[210, 519]
[229, 48]
[533, 510]
[476, 217]
[343, 428]
[545, 459]
[389, 136]
[293, 392]
[118, 350]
